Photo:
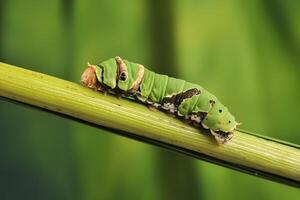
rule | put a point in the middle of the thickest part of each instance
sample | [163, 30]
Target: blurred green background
[245, 52]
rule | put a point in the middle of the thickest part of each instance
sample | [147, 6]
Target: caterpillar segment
[176, 96]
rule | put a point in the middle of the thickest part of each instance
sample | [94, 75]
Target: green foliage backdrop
[216, 44]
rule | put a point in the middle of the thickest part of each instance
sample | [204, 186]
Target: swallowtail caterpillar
[176, 96]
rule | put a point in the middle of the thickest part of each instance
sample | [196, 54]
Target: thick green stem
[253, 154]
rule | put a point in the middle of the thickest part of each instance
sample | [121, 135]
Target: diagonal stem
[250, 153]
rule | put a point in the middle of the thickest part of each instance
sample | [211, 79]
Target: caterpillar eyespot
[187, 100]
[123, 77]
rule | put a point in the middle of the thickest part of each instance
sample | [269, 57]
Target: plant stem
[256, 155]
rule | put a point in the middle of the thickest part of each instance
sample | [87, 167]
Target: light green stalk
[250, 153]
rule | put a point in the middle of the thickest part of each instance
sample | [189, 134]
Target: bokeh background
[245, 52]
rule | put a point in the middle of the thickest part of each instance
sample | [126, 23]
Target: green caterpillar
[176, 96]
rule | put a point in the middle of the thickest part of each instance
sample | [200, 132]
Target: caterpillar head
[227, 123]
[220, 122]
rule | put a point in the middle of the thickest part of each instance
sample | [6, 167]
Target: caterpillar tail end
[88, 77]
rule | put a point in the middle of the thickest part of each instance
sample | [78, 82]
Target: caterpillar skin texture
[188, 100]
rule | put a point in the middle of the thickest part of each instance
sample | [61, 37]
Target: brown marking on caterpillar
[185, 95]
[198, 116]
[136, 84]
[169, 102]
[122, 69]
[177, 99]
[102, 88]
[169, 107]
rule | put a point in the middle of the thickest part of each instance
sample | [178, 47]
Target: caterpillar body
[176, 96]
